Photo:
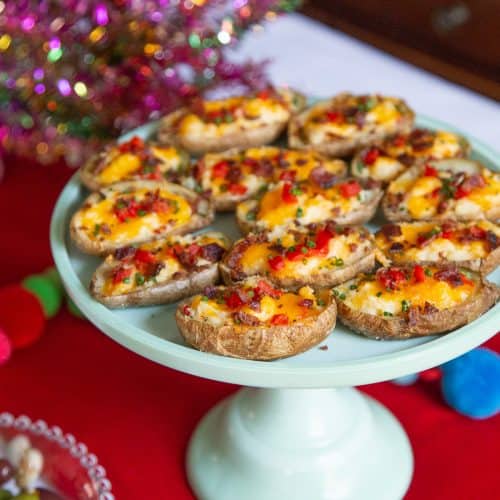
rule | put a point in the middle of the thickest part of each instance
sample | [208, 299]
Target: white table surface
[319, 60]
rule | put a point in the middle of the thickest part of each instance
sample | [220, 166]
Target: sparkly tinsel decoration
[75, 73]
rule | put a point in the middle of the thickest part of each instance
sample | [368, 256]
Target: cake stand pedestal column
[307, 444]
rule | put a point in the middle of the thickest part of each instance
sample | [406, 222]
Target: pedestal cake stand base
[307, 444]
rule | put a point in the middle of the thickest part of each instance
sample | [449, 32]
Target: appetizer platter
[276, 267]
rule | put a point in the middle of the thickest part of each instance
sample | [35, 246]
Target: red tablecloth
[137, 416]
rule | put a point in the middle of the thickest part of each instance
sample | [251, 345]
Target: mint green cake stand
[299, 431]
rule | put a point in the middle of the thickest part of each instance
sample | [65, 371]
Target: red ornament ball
[5, 352]
[22, 316]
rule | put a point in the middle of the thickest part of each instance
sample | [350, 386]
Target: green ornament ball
[47, 291]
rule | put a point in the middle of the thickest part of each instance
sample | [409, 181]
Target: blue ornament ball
[471, 383]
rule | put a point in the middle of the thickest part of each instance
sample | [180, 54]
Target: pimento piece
[120, 274]
[349, 189]
[390, 278]
[276, 263]
[287, 195]
[186, 310]
[399, 140]
[220, 170]
[419, 274]
[288, 175]
[234, 301]
[144, 256]
[430, 171]
[237, 189]
[371, 156]
[279, 320]
[334, 116]
[132, 146]
[263, 287]
[323, 238]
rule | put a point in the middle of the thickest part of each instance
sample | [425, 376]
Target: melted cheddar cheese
[369, 296]
[94, 218]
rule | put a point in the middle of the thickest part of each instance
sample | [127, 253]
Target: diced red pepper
[333, 116]
[160, 206]
[276, 263]
[323, 238]
[279, 319]
[264, 94]
[267, 289]
[233, 301]
[419, 274]
[447, 234]
[430, 171]
[349, 189]
[286, 194]
[297, 253]
[371, 156]
[134, 144]
[186, 310]
[220, 170]
[461, 193]
[120, 274]
[144, 256]
[127, 212]
[288, 175]
[237, 189]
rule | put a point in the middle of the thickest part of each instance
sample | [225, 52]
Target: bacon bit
[453, 277]
[429, 308]
[245, 318]
[286, 194]
[323, 178]
[419, 274]
[105, 229]
[334, 116]
[237, 189]
[144, 256]
[391, 277]
[220, 170]
[124, 253]
[306, 303]
[212, 252]
[125, 209]
[160, 206]
[493, 240]
[276, 263]
[396, 247]
[349, 189]
[371, 156]
[120, 274]
[476, 232]
[430, 171]
[399, 140]
[472, 182]
[186, 310]
[323, 348]
[391, 231]
[279, 319]
[406, 159]
[263, 287]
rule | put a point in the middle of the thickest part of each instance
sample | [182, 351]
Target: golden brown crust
[345, 146]
[202, 218]
[257, 342]
[163, 293]
[430, 323]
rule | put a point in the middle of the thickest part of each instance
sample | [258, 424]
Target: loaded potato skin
[386, 160]
[132, 160]
[234, 122]
[255, 320]
[159, 272]
[413, 301]
[237, 175]
[475, 244]
[341, 125]
[321, 255]
[134, 212]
